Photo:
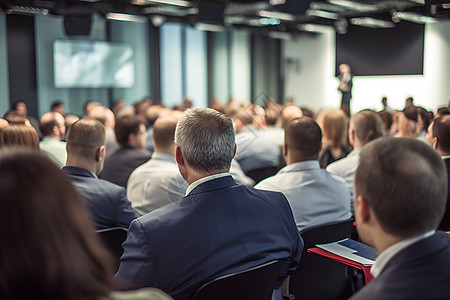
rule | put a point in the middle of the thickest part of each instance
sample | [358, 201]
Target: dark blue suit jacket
[420, 271]
[106, 201]
[219, 228]
[119, 165]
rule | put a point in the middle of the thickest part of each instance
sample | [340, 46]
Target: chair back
[319, 277]
[256, 283]
[262, 173]
[112, 239]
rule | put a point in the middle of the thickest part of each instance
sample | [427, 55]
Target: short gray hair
[206, 139]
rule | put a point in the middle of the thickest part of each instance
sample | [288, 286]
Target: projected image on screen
[92, 64]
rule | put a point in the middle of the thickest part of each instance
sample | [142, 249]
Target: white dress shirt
[315, 195]
[205, 179]
[345, 168]
[155, 183]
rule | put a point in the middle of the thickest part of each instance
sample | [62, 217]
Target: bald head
[290, 112]
[103, 115]
[366, 126]
[53, 124]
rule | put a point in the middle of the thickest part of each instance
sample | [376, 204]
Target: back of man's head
[367, 125]
[85, 136]
[126, 125]
[48, 121]
[441, 131]
[164, 132]
[303, 138]
[206, 139]
[404, 181]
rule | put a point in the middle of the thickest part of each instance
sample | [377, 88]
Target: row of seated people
[221, 227]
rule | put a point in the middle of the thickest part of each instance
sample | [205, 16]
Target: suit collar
[422, 248]
[213, 184]
[77, 171]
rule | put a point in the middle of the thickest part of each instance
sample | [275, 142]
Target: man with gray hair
[218, 228]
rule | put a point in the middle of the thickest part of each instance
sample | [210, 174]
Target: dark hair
[368, 125]
[19, 136]
[46, 124]
[56, 103]
[125, 126]
[425, 116]
[441, 131]
[15, 118]
[304, 135]
[387, 119]
[84, 137]
[404, 181]
[49, 248]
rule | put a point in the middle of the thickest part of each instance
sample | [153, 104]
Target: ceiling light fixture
[371, 23]
[208, 27]
[415, 18]
[355, 6]
[125, 17]
[182, 3]
[276, 15]
[26, 10]
[322, 14]
[314, 28]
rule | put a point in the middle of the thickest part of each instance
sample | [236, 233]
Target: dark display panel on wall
[92, 64]
[394, 51]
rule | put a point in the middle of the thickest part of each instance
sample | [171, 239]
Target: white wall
[314, 85]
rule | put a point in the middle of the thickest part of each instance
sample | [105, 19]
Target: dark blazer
[122, 162]
[445, 223]
[420, 271]
[106, 201]
[219, 228]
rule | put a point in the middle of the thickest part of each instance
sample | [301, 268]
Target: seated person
[52, 251]
[315, 195]
[158, 181]
[218, 228]
[106, 201]
[400, 195]
[131, 134]
[19, 136]
[53, 128]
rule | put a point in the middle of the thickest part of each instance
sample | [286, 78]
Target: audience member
[400, 190]
[53, 128]
[58, 106]
[334, 124]
[254, 149]
[158, 181]
[365, 126]
[290, 112]
[14, 118]
[3, 123]
[130, 134]
[315, 195]
[117, 106]
[19, 136]
[218, 228]
[439, 138]
[423, 121]
[106, 117]
[151, 114]
[407, 122]
[20, 107]
[387, 119]
[70, 119]
[106, 201]
[52, 250]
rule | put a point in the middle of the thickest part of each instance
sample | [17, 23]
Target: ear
[435, 143]
[285, 149]
[179, 157]
[364, 210]
[235, 149]
[100, 153]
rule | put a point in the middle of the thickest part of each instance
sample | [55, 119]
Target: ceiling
[274, 16]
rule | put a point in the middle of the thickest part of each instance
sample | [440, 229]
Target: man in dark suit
[131, 134]
[400, 193]
[106, 201]
[438, 136]
[218, 228]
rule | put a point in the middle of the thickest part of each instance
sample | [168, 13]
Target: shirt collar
[164, 156]
[301, 165]
[382, 259]
[203, 180]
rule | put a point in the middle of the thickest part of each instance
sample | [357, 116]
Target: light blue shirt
[54, 149]
[345, 168]
[155, 183]
[256, 150]
[316, 196]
